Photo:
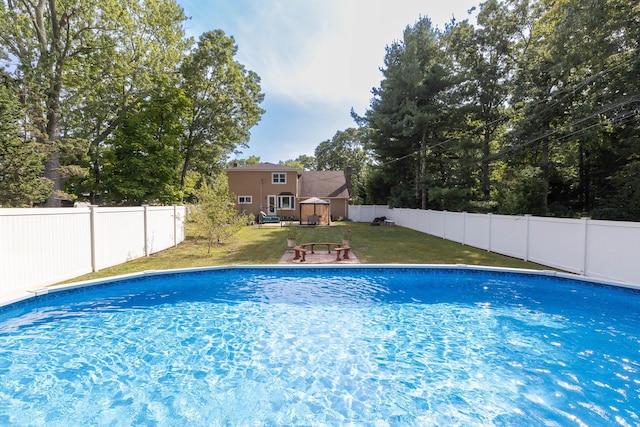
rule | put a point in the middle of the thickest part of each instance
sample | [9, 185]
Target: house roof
[323, 184]
[266, 167]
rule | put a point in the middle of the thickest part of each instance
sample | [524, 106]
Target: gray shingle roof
[323, 184]
[262, 167]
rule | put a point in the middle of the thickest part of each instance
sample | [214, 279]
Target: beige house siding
[263, 192]
[254, 189]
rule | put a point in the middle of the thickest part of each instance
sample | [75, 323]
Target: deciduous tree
[225, 103]
[214, 216]
[80, 63]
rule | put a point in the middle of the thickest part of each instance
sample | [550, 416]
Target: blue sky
[317, 59]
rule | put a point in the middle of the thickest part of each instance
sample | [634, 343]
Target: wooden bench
[344, 250]
[300, 253]
[313, 244]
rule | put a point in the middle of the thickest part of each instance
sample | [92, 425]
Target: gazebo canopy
[315, 201]
[315, 211]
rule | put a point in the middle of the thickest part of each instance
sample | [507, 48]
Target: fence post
[464, 228]
[92, 233]
[146, 229]
[490, 231]
[585, 225]
[527, 236]
[175, 226]
[444, 224]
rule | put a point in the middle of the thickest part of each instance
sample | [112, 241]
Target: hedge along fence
[39, 247]
[593, 248]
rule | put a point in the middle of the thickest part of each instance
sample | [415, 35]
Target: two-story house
[279, 190]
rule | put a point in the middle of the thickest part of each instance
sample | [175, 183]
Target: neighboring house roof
[323, 184]
[262, 167]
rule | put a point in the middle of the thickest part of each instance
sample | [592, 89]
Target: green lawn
[266, 244]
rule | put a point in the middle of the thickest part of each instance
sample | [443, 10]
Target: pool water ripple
[326, 348]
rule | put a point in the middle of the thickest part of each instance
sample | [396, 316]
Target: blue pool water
[317, 346]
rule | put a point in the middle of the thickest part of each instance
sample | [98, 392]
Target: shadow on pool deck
[319, 257]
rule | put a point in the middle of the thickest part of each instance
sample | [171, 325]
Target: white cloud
[316, 58]
[329, 51]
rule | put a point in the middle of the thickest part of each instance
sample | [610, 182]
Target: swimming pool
[324, 346]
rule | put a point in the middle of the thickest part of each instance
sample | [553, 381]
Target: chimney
[347, 175]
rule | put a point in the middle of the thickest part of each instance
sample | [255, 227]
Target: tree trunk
[544, 165]
[486, 187]
[52, 56]
[52, 164]
[582, 177]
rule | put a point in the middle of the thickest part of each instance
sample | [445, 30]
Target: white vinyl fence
[599, 249]
[39, 247]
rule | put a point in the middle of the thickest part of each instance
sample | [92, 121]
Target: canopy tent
[315, 211]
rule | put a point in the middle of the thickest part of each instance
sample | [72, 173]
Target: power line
[567, 90]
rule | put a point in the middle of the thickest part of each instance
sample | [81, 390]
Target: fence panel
[39, 247]
[119, 234]
[557, 242]
[454, 227]
[613, 250]
[476, 230]
[436, 222]
[161, 234]
[367, 213]
[509, 235]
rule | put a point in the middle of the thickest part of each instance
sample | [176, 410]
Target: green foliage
[346, 151]
[21, 167]
[409, 116]
[521, 191]
[144, 160]
[624, 200]
[302, 162]
[83, 62]
[214, 216]
[225, 103]
[532, 110]
[252, 160]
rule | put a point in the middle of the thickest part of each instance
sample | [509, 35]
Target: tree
[144, 158]
[251, 160]
[409, 116]
[302, 162]
[85, 58]
[575, 80]
[214, 216]
[346, 151]
[224, 100]
[21, 167]
[485, 57]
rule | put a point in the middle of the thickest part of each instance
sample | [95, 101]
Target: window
[286, 202]
[244, 200]
[278, 178]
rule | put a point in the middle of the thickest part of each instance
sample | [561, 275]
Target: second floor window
[278, 178]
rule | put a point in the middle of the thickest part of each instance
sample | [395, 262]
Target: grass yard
[266, 244]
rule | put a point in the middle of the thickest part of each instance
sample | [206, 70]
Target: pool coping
[28, 294]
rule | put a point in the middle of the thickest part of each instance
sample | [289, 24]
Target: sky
[317, 59]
